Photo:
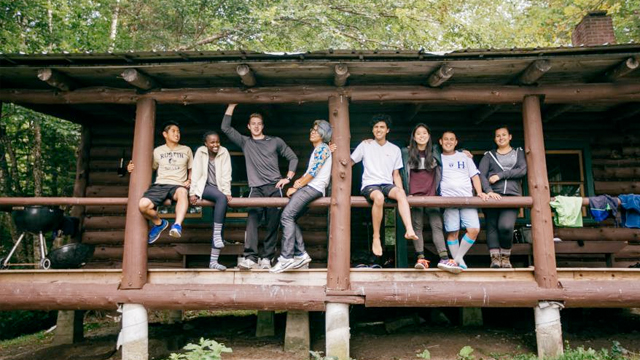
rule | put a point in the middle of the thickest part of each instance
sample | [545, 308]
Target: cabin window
[566, 172]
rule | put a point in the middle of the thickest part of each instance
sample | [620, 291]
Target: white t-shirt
[457, 171]
[320, 167]
[378, 161]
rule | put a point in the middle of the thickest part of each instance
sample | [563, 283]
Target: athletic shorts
[455, 217]
[384, 189]
[158, 193]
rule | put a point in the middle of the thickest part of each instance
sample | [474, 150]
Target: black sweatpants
[272, 215]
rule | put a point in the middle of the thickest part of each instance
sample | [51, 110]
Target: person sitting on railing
[382, 162]
[459, 173]
[421, 176]
[211, 180]
[261, 154]
[173, 164]
[306, 189]
[501, 172]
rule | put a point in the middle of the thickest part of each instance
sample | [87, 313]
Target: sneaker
[450, 266]
[301, 261]
[247, 264]
[156, 230]
[264, 263]
[422, 263]
[176, 231]
[282, 265]
[214, 265]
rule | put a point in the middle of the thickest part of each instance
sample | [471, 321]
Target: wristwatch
[288, 178]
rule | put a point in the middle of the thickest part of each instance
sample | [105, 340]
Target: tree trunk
[50, 23]
[37, 158]
[114, 26]
[37, 177]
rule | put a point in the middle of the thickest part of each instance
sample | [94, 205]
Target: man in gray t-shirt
[261, 154]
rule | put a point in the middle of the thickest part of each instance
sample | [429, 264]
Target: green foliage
[291, 25]
[424, 355]
[617, 353]
[465, 353]
[19, 322]
[205, 350]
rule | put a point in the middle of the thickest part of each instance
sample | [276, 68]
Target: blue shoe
[156, 230]
[176, 231]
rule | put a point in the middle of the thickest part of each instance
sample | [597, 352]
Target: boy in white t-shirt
[382, 162]
[459, 173]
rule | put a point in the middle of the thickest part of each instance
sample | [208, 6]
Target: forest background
[38, 152]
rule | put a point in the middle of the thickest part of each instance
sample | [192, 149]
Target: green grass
[31, 339]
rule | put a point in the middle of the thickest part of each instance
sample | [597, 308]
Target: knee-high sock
[217, 236]
[465, 245]
[454, 245]
[213, 261]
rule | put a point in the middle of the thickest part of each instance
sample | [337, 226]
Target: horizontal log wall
[104, 225]
[616, 170]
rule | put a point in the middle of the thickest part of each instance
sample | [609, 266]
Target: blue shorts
[454, 217]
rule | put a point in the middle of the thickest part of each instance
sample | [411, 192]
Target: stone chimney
[595, 28]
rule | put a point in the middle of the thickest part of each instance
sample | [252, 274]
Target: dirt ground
[392, 334]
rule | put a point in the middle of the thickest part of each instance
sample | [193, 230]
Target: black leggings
[212, 193]
[500, 224]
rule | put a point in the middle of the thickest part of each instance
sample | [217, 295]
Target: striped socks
[454, 245]
[217, 236]
[213, 261]
[465, 245]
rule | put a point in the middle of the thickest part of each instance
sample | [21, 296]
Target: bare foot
[377, 247]
[411, 236]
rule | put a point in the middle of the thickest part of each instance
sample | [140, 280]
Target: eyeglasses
[313, 130]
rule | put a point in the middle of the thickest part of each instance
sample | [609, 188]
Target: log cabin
[574, 110]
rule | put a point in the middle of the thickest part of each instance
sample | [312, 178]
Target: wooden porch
[547, 96]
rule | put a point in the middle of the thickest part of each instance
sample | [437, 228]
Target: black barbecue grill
[36, 220]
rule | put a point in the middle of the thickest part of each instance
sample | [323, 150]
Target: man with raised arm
[261, 155]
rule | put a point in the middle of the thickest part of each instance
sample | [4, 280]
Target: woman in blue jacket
[501, 173]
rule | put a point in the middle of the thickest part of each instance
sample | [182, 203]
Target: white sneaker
[264, 263]
[282, 265]
[301, 261]
[247, 264]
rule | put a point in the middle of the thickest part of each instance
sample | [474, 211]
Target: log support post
[471, 316]
[139, 79]
[337, 331]
[69, 327]
[338, 267]
[341, 75]
[440, 76]
[134, 337]
[174, 316]
[548, 329]
[544, 256]
[296, 336]
[247, 76]
[134, 263]
[547, 314]
[57, 79]
[340, 217]
[265, 325]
